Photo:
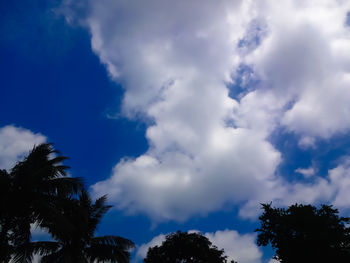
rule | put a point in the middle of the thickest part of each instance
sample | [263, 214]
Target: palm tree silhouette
[78, 245]
[6, 221]
[30, 193]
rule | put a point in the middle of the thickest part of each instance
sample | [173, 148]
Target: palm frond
[55, 257]
[25, 252]
[55, 217]
[110, 248]
[22, 254]
[98, 210]
[41, 162]
[62, 186]
[121, 242]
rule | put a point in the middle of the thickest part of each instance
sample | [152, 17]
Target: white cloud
[241, 248]
[173, 59]
[234, 166]
[15, 143]
[340, 180]
[207, 150]
[304, 62]
[307, 172]
[307, 142]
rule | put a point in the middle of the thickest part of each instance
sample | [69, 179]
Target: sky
[187, 114]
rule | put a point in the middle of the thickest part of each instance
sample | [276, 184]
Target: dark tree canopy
[303, 233]
[185, 248]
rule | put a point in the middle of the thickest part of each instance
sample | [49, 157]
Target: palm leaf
[110, 248]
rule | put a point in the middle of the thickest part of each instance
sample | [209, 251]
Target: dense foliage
[303, 233]
[37, 191]
[186, 248]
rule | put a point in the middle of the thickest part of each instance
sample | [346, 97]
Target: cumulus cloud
[304, 62]
[15, 143]
[237, 247]
[233, 167]
[340, 180]
[175, 60]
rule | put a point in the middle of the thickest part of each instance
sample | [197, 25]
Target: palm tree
[6, 221]
[31, 193]
[78, 245]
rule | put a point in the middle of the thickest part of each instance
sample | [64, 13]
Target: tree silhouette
[77, 244]
[37, 190]
[303, 233]
[30, 193]
[6, 220]
[185, 248]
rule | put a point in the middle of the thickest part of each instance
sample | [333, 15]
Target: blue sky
[187, 114]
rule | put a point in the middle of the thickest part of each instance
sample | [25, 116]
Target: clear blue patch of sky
[326, 154]
[243, 82]
[52, 83]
